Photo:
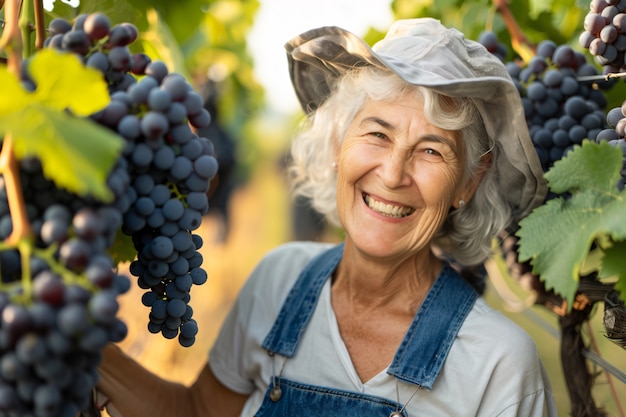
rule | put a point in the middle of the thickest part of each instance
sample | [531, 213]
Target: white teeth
[388, 209]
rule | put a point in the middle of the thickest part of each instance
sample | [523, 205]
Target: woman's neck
[374, 282]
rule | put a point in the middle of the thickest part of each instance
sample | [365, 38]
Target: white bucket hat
[426, 53]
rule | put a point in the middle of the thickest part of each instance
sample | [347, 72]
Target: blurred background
[233, 53]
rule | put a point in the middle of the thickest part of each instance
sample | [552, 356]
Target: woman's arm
[135, 392]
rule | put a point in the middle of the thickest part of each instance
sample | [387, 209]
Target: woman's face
[398, 176]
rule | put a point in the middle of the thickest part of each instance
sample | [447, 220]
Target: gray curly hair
[467, 233]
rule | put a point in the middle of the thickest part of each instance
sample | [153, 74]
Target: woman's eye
[431, 151]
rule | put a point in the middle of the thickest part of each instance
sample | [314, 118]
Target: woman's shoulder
[503, 360]
[290, 257]
[279, 268]
[297, 253]
[490, 328]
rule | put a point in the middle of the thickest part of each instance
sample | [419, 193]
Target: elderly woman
[419, 150]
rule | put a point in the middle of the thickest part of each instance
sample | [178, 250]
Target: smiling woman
[402, 149]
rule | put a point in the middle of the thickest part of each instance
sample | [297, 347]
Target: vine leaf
[122, 249]
[76, 153]
[614, 265]
[557, 236]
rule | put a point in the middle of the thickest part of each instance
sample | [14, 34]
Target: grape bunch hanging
[604, 34]
[564, 102]
[170, 166]
[564, 95]
[58, 304]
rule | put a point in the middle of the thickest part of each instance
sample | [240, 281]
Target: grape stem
[11, 40]
[40, 24]
[69, 277]
[32, 11]
[601, 77]
[22, 234]
[9, 167]
[519, 41]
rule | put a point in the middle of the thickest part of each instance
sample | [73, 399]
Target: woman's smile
[386, 208]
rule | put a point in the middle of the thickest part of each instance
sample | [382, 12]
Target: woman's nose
[395, 170]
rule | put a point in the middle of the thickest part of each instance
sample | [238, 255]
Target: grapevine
[564, 100]
[133, 172]
[580, 144]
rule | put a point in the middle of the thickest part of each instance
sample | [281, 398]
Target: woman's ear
[336, 151]
[467, 192]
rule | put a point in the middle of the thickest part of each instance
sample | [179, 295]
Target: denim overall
[418, 360]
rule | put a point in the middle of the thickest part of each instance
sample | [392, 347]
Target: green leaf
[13, 97]
[159, 43]
[614, 265]
[590, 167]
[539, 6]
[614, 261]
[63, 82]
[620, 286]
[122, 249]
[77, 154]
[557, 236]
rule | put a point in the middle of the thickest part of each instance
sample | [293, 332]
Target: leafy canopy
[50, 122]
[557, 236]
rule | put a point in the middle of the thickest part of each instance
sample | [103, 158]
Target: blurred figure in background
[223, 184]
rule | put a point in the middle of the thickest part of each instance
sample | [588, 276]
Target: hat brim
[422, 52]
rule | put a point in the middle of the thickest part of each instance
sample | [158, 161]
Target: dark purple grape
[48, 288]
[58, 26]
[76, 41]
[79, 22]
[613, 116]
[202, 119]
[139, 62]
[154, 124]
[75, 254]
[536, 91]
[96, 26]
[489, 40]
[157, 69]
[159, 100]
[99, 61]
[119, 35]
[132, 31]
[565, 57]
[120, 58]
[205, 166]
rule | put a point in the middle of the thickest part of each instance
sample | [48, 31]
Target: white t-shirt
[492, 369]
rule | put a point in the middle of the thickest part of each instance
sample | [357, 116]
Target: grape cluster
[170, 166]
[58, 297]
[52, 332]
[604, 34]
[561, 111]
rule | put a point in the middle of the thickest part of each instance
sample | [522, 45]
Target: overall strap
[300, 303]
[423, 351]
